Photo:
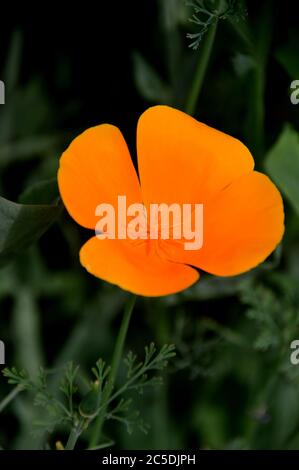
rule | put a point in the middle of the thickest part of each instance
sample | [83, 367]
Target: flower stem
[260, 53]
[10, 397]
[72, 440]
[201, 69]
[118, 351]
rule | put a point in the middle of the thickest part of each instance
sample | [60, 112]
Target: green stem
[72, 440]
[118, 351]
[103, 446]
[258, 111]
[260, 52]
[201, 69]
[257, 41]
[10, 397]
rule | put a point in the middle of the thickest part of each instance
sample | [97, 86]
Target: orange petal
[135, 267]
[181, 160]
[242, 225]
[95, 169]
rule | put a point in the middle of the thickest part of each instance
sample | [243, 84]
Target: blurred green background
[231, 384]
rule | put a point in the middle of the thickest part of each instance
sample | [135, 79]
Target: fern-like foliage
[207, 13]
[74, 411]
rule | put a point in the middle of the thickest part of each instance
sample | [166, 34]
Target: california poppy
[180, 160]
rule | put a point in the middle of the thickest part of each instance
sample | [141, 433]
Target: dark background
[74, 68]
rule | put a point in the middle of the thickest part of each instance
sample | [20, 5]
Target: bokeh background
[231, 385]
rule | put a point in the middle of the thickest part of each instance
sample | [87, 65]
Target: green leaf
[242, 64]
[287, 56]
[89, 406]
[27, 148]
[43, 192]
[282, 164]
[148, 82]
[173, 11]
[13, 62]
[21, 225]
[284, 410]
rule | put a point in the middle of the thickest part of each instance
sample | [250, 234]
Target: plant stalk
[118, 351]
[72, 440]
[10, 397]
[201, 68]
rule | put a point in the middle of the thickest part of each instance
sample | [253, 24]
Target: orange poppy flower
[180, 160]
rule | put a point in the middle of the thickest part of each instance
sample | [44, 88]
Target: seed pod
[90, 404]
